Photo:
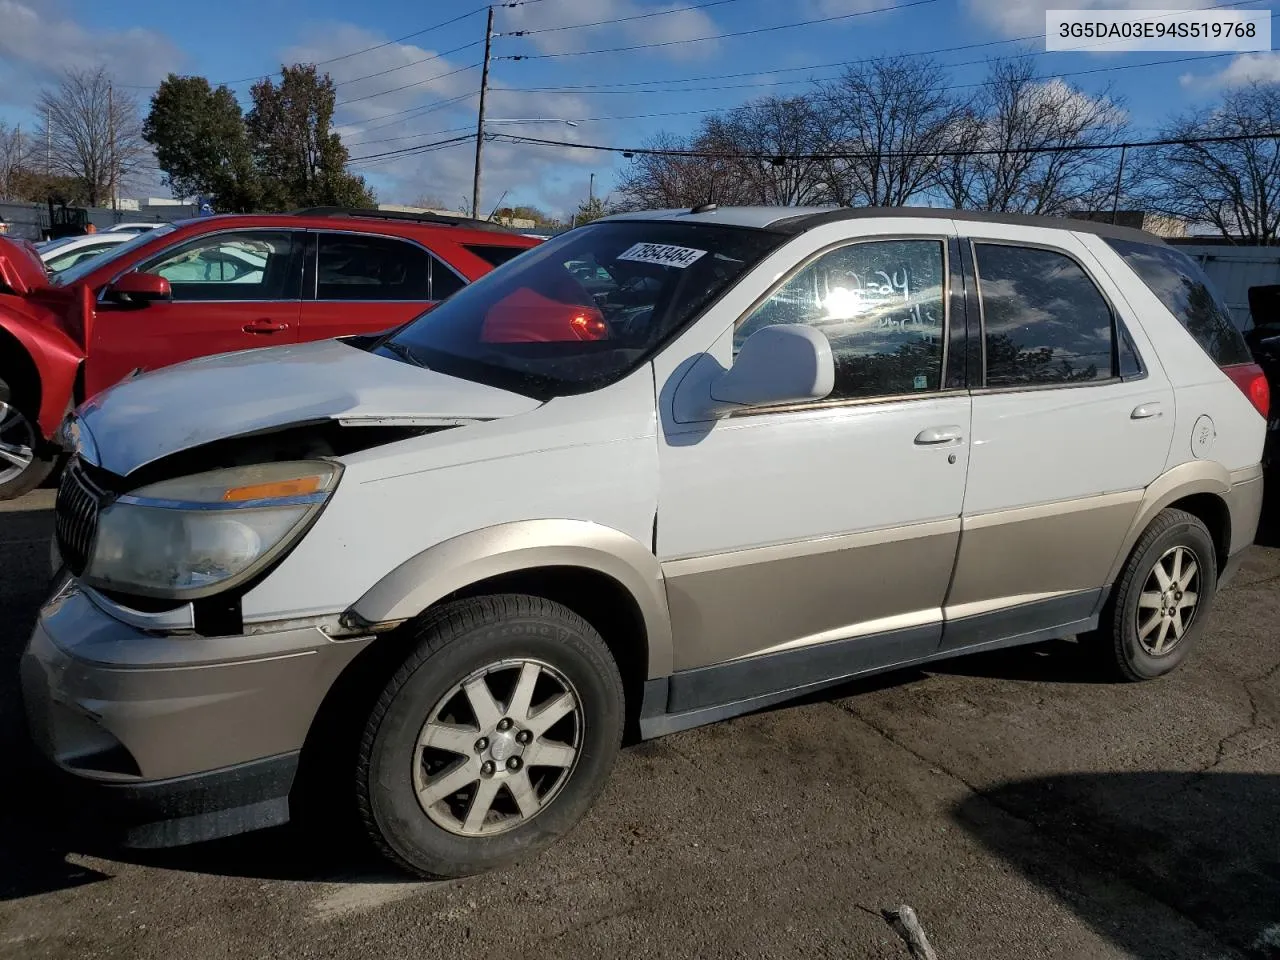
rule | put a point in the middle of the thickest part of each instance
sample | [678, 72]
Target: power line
[954, 86]
[813, 66]
[888, 154]
[612, 20]
[414, 63]
[722, 36]
[407, 36]
[411, 136]
[406, 151]
[416, 83]
[413, 112]
[609, 88]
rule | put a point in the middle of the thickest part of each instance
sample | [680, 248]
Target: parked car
[437, 573]
[207, 286]
[66, 252]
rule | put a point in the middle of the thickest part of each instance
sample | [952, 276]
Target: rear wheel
[1158, 609]
[492, 739]
[24, 457]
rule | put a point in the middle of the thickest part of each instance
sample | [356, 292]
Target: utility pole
[484, 90]
[591, 190]
[48, 143]
[111, 138]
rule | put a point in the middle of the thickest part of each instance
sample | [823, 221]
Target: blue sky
[140, 41]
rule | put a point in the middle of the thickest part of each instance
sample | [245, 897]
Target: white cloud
[421, 74]
[1024, 18]
[1243, 70]
[542, 175]
[37, 43]
[666, 29]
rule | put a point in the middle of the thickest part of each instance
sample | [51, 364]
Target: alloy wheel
[497, 748]
[1169, 600]
[17, 442]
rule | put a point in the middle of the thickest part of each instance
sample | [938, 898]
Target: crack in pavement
[1252, 724]
[1082, 854]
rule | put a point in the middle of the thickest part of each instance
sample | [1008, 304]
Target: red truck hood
[22, 274]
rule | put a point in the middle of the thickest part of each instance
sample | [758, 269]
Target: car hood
[157, 414]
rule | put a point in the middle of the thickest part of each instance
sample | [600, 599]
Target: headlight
[194, 536]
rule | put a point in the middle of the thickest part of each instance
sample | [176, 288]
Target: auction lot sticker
[1100, 31]
[663, 254]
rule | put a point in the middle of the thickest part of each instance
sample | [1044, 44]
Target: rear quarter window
[494, 254]
[1182, 287]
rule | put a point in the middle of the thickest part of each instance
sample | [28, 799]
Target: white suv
[663, 469]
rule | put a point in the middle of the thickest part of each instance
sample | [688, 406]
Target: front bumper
[176, 738]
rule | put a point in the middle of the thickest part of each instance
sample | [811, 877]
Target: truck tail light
[1252, 383]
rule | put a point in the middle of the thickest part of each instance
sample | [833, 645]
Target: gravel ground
[1022, 807]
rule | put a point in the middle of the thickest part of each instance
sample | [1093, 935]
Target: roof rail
[436, 218]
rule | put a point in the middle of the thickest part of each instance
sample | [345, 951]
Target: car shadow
[1051, 661]
[1122, 849]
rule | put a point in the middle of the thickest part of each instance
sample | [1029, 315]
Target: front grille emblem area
[76, 525]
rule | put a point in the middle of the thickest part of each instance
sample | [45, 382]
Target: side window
[356, 267]
[244, 265]
[444, 282]
[1045, 320]
[1182, 287]
[880, 304]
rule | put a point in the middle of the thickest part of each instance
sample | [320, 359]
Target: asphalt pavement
[1023, 807]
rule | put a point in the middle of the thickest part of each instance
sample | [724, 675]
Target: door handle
[935, 436]
[264, 326]
[1145, 411]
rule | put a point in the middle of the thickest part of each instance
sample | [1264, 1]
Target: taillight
[586, 327]
[1253, 383]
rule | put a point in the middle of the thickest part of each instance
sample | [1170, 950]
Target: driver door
[811, 541]
[234, 290]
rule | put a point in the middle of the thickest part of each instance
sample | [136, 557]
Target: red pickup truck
[212, 285]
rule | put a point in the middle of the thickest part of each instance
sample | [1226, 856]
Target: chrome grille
[76, 523]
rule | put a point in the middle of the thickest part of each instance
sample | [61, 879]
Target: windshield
[84, 267]
[583, 310]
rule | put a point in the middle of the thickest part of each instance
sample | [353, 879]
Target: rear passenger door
[366, 283]
[1072, 418]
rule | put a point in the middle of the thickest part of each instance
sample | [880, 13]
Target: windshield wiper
[403, 352]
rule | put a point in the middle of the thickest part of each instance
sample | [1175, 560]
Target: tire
[427, 732]
[20, 436]
[1139, 634]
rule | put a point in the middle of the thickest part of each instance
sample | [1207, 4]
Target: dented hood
[157, 414]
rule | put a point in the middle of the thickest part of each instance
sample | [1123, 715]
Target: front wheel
[492, 739]
[24, 457]
[1161, 600]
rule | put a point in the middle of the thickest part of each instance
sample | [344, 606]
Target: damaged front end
[174, 505]
[176, 543]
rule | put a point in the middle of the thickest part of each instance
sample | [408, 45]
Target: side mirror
[784, 363]
[139, 288]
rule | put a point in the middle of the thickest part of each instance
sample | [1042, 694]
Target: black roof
[807, 221]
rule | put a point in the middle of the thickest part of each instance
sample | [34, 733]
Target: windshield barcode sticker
[663, 254]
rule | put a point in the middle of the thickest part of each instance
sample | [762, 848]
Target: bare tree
[760, 152]
[894, 115]
[15, 156]
[94, 131]
[776, 138]
[665, 179]
[1233, 187]
[1027, 135]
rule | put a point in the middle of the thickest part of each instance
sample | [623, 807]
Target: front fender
[56, 357]
[526, 545]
